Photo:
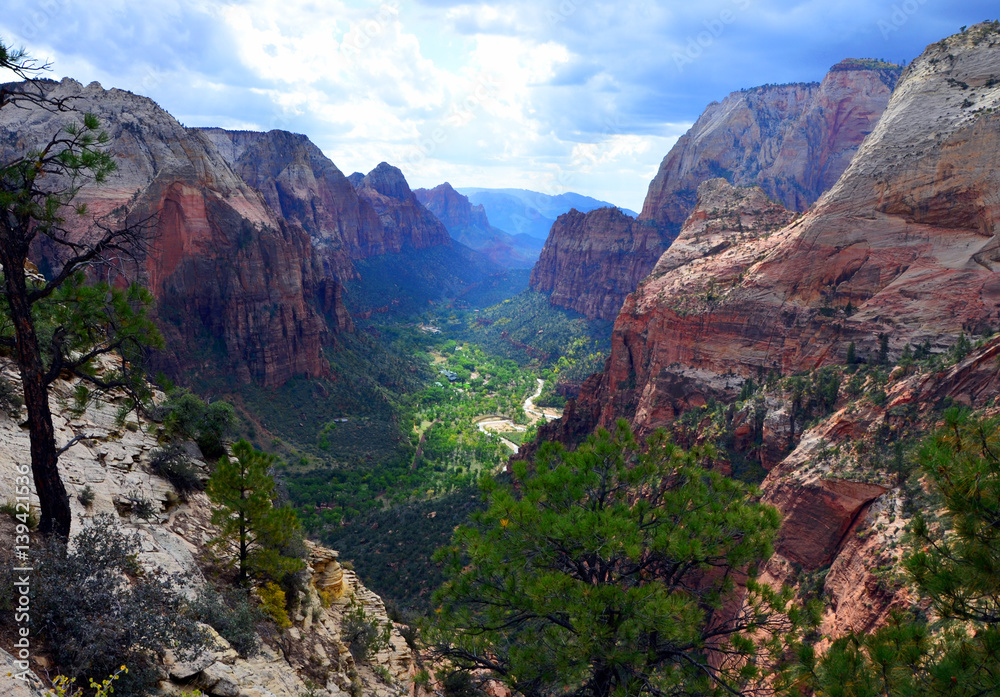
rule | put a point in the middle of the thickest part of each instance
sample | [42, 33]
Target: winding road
[498, 425]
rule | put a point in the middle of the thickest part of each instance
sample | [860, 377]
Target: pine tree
[59, 324]
[955, 564]
[613, 569]
[254, 533]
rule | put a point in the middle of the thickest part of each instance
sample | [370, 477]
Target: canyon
[901, 252]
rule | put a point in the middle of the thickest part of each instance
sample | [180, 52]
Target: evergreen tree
[613, 569]
[37, 190]
[253, 532]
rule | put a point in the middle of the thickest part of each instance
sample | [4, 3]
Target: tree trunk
[56, 517]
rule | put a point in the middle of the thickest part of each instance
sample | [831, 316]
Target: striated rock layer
[405, 221]
[903, 245]
[793, 141]
[591, 261]
[225, 270]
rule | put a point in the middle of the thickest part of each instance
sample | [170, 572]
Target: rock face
[793, 141]
[469, 225]
[114, 462]
[225, 270]
[405, 221]
[591, 261]
[304, 186]
[903, 245]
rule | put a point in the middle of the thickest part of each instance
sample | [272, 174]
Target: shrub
[173, 465]
[18, 514]
[233, 615]
[11, 400]
[140, 506]
[209, 425]
[272, 602]
[363, 635]
[97, 611]
[86, 497]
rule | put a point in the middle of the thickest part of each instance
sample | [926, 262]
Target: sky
[548, 95]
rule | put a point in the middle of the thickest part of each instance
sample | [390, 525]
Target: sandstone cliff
[406, 222]
[305, 187]
[591, 261]
[225, 270]
[468, 224]
[113, 460]
[793, 141]
[903, 245]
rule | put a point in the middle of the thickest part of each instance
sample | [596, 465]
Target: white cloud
[518, 93]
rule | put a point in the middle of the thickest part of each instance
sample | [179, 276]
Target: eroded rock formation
[793, 141]
[591, 261]
[903, 245]
[226, 271]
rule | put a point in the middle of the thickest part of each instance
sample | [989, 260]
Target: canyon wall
[793, 141]
[229, 276]
[468, 224]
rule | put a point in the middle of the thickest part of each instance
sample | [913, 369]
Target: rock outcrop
[304, 187]
[468, 224]
[793, 141]
[904, 245]
[226, 272]
[405, 221]
[591, 261]
[113, 460]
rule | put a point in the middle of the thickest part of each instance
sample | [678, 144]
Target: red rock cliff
[591, 261]
[225, 271]
[793, 141]
[305, 187]
[405, 221]
[904, 244]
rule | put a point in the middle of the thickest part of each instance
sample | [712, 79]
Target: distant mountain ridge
[521, 211]
[469, 224]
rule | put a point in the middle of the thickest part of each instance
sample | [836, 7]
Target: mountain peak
[388, 181]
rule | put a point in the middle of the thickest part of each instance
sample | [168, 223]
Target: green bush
[363, 634]
[185, 414]
[173, 465]
[233, 615]
[96, 610]
[86, 496]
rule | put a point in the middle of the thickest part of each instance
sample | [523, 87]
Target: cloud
[513, 93]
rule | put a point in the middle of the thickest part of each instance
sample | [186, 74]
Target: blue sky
[550, 95]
